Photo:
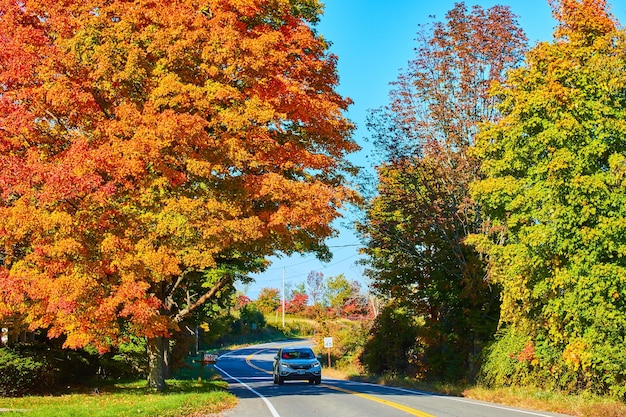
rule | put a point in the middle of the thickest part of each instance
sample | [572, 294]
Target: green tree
[415, 228]
[392, 345]
[338, 292]
[298, 289]
[268, 300]
[250, 315]
[554, 193]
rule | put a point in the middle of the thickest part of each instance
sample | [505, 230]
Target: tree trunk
[157, 362]
[158, 347]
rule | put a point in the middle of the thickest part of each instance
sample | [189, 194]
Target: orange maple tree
[149, 147]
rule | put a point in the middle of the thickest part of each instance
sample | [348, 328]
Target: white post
[283, 298]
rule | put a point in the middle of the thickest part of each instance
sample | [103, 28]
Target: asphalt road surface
[248, 372]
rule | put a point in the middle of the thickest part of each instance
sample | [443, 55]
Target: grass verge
[583, 405]
[182, 398]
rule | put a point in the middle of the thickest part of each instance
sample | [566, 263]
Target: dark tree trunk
[158, 367]
[158, 347]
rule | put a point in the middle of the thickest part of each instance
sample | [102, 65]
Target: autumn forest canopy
[154, 153]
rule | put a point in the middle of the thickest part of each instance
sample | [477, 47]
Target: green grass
[182, 398]
[277, 319]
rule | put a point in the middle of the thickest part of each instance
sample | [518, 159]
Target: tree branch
[227, 279]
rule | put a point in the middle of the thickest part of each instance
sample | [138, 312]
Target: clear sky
[374, 40]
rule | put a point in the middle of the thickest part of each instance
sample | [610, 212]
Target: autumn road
[248, 372]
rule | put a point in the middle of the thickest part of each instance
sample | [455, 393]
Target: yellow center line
[249, 358]
[249, 362]
[409, 410]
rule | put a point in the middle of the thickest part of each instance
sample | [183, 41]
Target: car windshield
[298, 354]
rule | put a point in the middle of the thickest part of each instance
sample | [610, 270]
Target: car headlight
[317, 364]
[284, 365]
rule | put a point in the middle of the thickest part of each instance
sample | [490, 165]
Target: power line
[303, 274]
[276, 268]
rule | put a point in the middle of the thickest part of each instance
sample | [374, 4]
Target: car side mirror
[319, 356]
[276, 357]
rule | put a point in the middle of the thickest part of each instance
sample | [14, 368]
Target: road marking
[249, 357]
[265, 400]
[463, 400]
[258, 368]
[498, 407]
[409, 410]
[401, 407]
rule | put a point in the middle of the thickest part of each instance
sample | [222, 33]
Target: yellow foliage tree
[151, 150]
[554, 194]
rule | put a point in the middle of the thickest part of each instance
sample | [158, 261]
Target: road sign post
[328, 344]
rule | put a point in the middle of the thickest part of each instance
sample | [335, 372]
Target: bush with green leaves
[349, 337]
[507, 361]
[250, 316]
[391, 346]
[127, 361]
[24, 373]
[517, 359]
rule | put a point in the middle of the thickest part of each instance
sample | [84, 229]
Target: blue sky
[374, 40]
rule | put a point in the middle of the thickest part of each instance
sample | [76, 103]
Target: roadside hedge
[23, 374]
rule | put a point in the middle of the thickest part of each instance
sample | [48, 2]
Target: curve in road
[248, 371]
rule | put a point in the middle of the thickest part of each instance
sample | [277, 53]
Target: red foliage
[297, 304]
[141, 146]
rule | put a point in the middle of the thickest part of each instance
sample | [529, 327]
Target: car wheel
[318, 381]
[275, 379]
[281, 381]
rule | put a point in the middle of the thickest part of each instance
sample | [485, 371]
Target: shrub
[128, 361]
[213, 332]
[504, 363]
[250, 316]
[349, 337]
[22, 373]
[392, 344]
[517, 359]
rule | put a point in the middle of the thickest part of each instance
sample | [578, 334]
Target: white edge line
[478, 403]
[463, 400]
[265, 400]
